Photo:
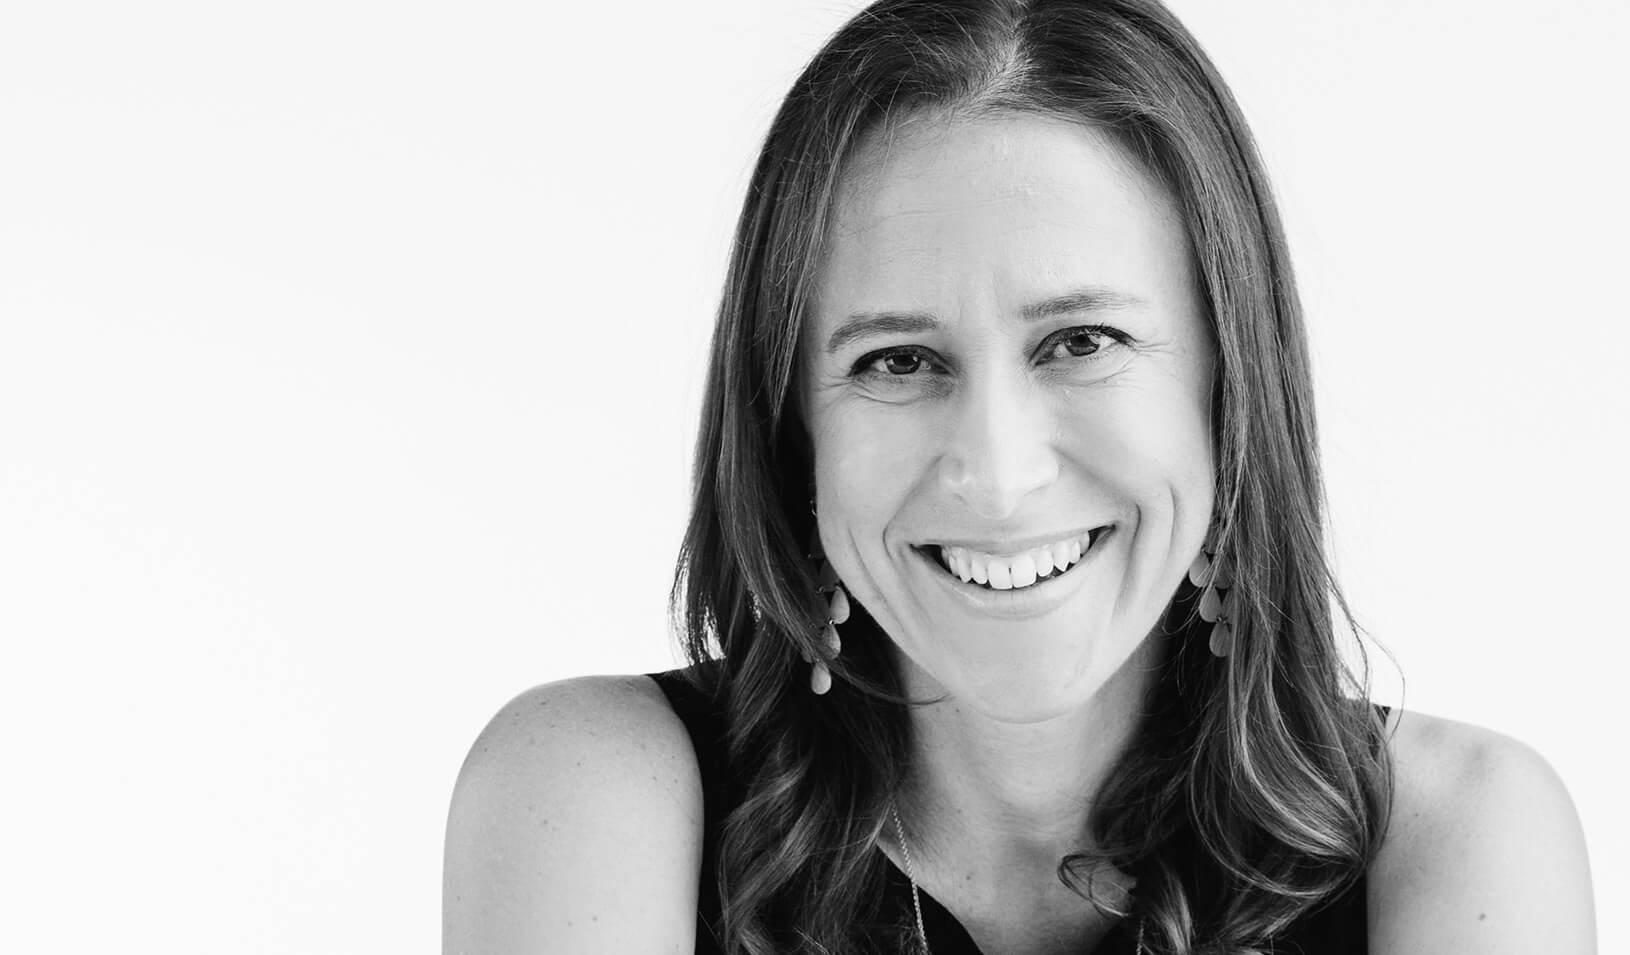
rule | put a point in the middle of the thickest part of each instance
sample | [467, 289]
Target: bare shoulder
[576, 826]
[1484, 852]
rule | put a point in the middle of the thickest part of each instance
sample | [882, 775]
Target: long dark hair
[1258, 787]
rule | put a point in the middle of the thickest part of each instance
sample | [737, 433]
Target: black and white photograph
[801, 477]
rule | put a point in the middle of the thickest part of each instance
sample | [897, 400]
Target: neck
[1016, 797]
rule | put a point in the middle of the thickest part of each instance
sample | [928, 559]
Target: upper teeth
[1016, 570]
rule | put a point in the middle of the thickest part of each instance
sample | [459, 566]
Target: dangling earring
[1211, 571]
[837, 611]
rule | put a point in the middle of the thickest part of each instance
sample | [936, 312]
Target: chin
[1021, 687]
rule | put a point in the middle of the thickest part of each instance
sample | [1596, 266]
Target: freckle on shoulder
[1481, 823]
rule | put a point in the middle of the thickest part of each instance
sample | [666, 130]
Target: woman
[1004, 585]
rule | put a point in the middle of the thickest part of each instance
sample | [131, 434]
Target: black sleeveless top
[1336, 928]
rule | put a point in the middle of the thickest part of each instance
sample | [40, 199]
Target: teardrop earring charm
[820, 678]
[837, 611]
[837, 608]
[1211, 572]
[1222, 638]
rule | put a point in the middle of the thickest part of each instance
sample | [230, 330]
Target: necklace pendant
[918, 944]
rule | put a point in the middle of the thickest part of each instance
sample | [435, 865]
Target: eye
[896, 363]
[1079, 342]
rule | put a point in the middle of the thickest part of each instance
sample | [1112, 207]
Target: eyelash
[863, 367]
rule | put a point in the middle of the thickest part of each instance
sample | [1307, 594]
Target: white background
[350, 353]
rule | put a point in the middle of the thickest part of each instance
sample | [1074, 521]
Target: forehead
[931, 211]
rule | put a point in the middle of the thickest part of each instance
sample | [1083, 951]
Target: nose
[1001, 447]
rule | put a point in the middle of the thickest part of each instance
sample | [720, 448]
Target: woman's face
[1008, 368]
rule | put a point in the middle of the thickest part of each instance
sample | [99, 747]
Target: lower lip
[1034, 601]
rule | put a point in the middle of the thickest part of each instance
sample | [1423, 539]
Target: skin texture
[1001, 434]
[1485, 853]
[998, 432]
[575, 827]
[576, 821]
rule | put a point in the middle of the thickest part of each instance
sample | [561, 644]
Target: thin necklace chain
[916, 896]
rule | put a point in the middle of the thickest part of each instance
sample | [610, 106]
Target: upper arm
[576, 827]
[1484, 854]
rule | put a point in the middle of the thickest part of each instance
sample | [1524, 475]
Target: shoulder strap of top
[690, 693]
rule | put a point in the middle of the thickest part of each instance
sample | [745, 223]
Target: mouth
[1029, 569]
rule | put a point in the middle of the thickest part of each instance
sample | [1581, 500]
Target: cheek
[1148, 442]
[868, 463]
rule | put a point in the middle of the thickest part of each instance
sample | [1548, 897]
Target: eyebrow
[1091, 298]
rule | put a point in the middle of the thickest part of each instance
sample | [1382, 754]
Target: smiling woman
[1000, 427]
[1005, 590]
